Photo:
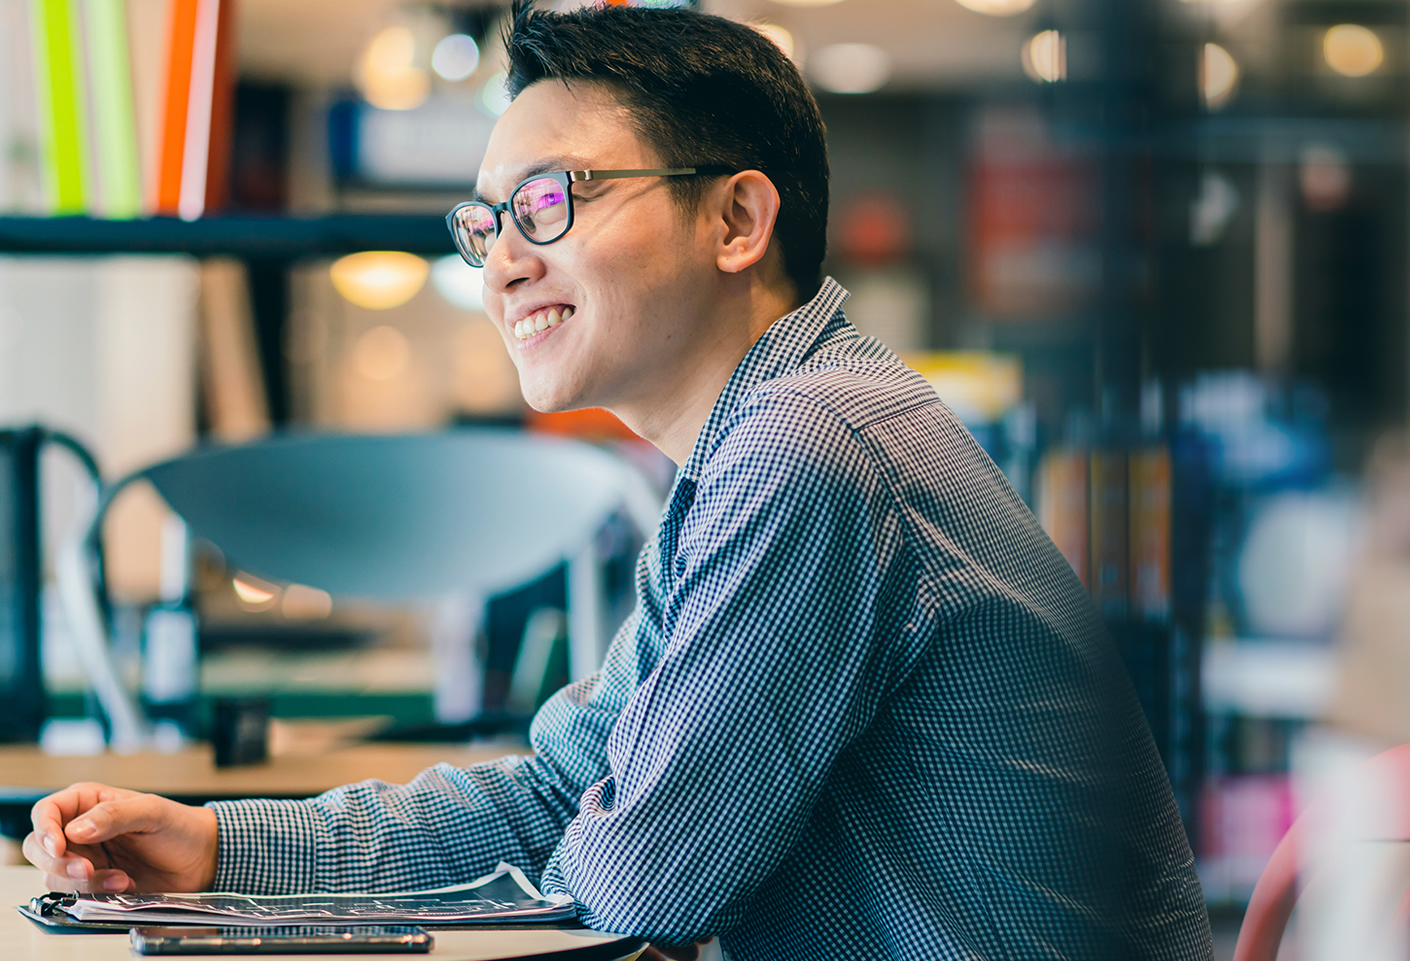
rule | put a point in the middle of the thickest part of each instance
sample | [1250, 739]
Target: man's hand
[95, 838]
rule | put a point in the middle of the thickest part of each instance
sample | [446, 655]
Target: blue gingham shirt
[863, 709]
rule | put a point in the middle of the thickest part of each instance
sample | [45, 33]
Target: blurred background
[1152, 252]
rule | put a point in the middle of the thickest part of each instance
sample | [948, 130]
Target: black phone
[288, 939]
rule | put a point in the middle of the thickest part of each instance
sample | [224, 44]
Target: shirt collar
[780, 351]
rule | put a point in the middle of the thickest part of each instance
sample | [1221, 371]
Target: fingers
[50, 814]
[110, 818]
[74, 872]
[67, 867]
[102, 882]
[112, 882]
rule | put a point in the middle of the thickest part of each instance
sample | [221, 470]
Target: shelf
[274, 237]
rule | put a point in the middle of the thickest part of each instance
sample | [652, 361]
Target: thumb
[112, 818]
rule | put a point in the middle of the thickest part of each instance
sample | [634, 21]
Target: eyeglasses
[540, 206]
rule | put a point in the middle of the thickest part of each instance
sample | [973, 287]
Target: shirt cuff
[266, 847]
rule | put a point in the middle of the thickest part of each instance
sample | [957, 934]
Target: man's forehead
[552, 126]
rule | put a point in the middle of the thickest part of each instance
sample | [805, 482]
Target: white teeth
[529, 326]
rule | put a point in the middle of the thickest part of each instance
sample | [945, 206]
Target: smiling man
[863, 708]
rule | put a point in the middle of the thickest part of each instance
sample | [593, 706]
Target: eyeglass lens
[474, 232]
[539, 207]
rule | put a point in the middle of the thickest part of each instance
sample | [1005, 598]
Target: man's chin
[548, 401]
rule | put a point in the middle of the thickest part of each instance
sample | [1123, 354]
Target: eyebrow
[546, 165]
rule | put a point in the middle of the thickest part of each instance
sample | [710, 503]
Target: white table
[23, 940]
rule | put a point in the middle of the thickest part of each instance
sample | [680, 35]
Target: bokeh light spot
[455, 57]
[1352, 50]
[379, 279]
[382, 353]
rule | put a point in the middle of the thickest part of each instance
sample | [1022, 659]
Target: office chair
[22, 573]
[466, 512]
[1287, 874]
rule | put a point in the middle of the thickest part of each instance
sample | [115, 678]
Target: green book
[119, 179]
[59, 84]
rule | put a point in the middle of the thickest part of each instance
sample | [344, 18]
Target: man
[863, 707]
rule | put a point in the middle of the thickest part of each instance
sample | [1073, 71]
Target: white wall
[103, 348]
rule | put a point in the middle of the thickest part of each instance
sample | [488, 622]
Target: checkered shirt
[863, 709]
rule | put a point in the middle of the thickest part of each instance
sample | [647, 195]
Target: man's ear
[748, 206]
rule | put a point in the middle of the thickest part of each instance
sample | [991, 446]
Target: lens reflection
[541, 209]
[474, 232]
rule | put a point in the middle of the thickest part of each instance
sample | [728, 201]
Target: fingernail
[75, 870]
[51, 845]
[80, 828]
[114, 883]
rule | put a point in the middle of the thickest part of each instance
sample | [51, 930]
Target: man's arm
[449, 824]
[779, 647]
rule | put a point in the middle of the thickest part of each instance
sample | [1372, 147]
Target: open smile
[545, 318]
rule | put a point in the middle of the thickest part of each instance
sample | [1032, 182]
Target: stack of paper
[505, 895]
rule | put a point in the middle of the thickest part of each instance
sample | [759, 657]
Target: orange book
[1063, 503]
[1150, 479]
[181, 44]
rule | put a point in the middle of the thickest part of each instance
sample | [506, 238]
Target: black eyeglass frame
[565, 179]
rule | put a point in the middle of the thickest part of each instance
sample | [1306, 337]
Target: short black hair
[701, 90]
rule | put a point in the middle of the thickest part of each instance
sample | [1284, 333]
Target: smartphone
[362, 939]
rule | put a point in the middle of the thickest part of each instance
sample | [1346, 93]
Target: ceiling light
[851, 68]
[1352, 50]
[382, 353]
[996, 8]
[379, 279]
[1218, 76]
[455, 57]
[387, 75]
[253, 593]
[458, 282]
[1045, 57]
[782, 38]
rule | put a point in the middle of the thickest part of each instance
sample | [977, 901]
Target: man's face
[631, 275]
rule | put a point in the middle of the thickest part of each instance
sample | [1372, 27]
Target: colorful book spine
[222, 110]
[180, 50]
[196, 147]
[114, 120]
[1063, 505]
[1108, 544]
[60, 85]
[200, 85]
[1150, 477]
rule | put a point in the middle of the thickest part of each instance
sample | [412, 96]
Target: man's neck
[673, 423]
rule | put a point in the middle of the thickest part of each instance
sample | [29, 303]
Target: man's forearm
[446, 826]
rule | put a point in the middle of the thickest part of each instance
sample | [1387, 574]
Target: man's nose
[511, 260]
